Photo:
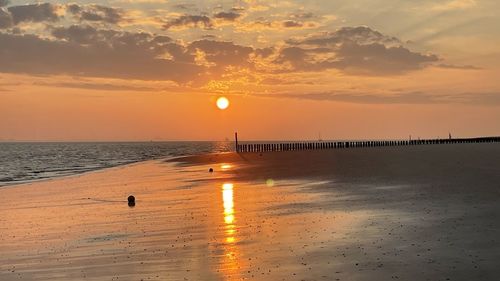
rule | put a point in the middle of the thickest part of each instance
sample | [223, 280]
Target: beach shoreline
[29, 162]
[363, 214]
[78, 173]
[14, 184]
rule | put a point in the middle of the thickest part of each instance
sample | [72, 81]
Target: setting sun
[222, 103]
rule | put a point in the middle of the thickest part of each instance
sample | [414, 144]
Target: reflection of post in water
[230, 263]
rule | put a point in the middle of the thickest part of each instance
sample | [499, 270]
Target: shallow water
[24, 162]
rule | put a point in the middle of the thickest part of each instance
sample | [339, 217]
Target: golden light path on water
[230, 263]
[228, 202]
[225, 167]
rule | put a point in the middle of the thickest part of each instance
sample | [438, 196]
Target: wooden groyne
[288, 146]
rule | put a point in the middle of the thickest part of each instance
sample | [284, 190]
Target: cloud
[264, 52]
[222, 54]
[5, 19]
[209, 36]
[302, 15]
[378, 59]
[274, 25]
[359, 98]
[292, 23]
[202, 21]
[88, 35]
[186, 21]
[97, 86]
[455, 5]
[353, 50]
[95, 12]
[34, 13]
[360, 35]
[4, 3]
[185, 6]
[464, 67]
[490, 98]
[84, 34]
[400, 98]
[404, 98]
[86, 51]
[229, 16]
[89, 52]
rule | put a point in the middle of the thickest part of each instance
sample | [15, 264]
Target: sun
[222, 103]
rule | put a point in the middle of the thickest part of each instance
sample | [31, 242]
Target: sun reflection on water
[225, 167]
[229, 264]
[228, 202]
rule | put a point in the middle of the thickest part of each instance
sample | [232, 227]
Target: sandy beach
[405, 213]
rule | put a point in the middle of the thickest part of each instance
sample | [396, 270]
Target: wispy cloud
[465, 67]
[455, 5]
[400, 98]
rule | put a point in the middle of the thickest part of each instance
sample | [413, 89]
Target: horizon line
[232, 140]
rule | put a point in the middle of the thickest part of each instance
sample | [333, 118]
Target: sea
[26, 162]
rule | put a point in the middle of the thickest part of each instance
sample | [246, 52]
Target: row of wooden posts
[262, 147]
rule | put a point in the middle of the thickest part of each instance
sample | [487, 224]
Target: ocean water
[25, 162]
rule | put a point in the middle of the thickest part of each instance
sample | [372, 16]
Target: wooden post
[236, 141]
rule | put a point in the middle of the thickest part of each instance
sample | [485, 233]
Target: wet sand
[411, 213]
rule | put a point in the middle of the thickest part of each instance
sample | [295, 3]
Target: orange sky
[291, 70]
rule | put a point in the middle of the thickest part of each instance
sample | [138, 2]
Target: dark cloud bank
[356, 50]
[87, 51]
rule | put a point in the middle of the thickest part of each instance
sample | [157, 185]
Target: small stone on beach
[131, 200]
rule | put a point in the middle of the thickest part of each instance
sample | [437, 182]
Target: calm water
[24, 162]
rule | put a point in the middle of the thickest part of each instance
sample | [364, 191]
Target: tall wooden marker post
[236, 140]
